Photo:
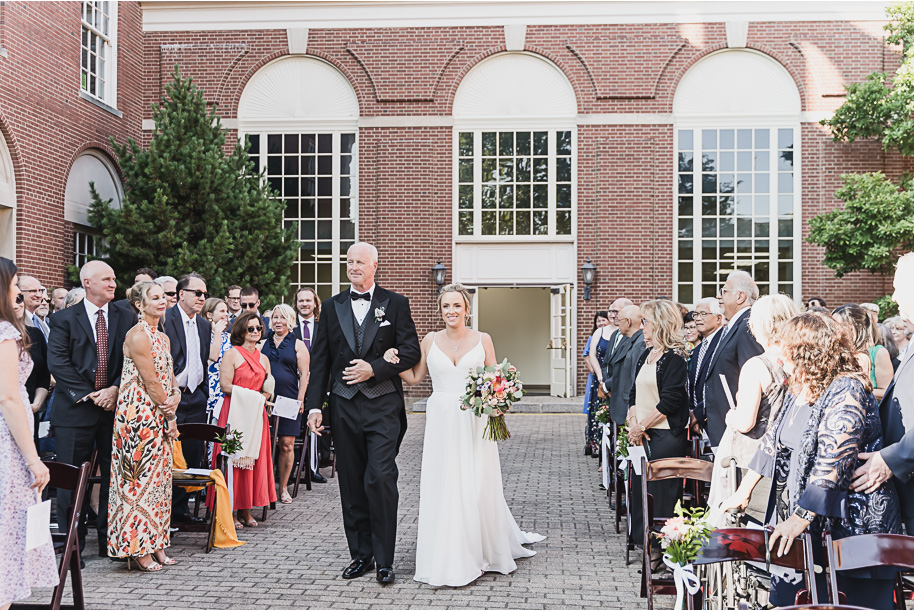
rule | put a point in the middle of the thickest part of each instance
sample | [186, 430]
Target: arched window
[7, 202]
[737, 133]
[301, 116]
[89, 167]
[514, 141]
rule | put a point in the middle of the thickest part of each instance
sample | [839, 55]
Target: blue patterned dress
[594, 434]
[215, 390]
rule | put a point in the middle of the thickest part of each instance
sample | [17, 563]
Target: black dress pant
[74, 446]
[664, 444]
[192, 409]
[367, 434]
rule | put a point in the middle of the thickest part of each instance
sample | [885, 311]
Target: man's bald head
[629, 320]
[31, 291]
[615, 308]
[97, 278]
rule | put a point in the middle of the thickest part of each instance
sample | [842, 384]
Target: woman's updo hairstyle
[455, 288]
[140, 293]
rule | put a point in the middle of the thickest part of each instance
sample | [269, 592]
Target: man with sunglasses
[169, 286]
[250, 300]
[190, 336]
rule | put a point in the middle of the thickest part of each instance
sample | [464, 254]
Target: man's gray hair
[742, 281]
[366, 245]
[712, 304]
[74, 296]
[161, 280]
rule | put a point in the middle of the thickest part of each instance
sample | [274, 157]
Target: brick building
[511, 141]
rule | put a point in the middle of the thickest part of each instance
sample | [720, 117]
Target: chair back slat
[200, 431]
[679, 467]
[870, 550]
[740, 544]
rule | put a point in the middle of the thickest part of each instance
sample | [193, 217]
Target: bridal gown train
[465, 526]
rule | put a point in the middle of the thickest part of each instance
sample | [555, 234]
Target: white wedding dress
[465, 526]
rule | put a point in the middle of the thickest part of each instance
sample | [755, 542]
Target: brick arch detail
[12, 143]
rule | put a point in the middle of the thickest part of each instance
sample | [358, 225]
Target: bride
[465, 526]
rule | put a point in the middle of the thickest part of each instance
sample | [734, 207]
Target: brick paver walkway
[294, 560]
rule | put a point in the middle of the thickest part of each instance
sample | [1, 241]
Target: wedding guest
[170, 285]
[735, 348]
[659, 407]
[815, 302]
[874, 358]
[762, 388]
[600, 319]
[190, 336]
[708, 319]
[899, 331]
[250, 300]
[871, 309]
[74, 297]
[33, 292]
[139, 514]
[289, 364]
[623, 362]
[216, 312]
[244, 366]
[22, 474]
[811, 447]
[599, 344]
[233, 301]
[690, 330]
[58, 299]
[44, 309]
[39, 381]
[85, 357]
[888, 341]
[308, 306]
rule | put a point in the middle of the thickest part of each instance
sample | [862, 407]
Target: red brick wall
[47, 124]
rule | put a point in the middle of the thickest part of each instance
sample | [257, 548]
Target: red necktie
[101, 349]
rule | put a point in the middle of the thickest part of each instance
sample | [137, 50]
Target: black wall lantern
[588, 271]
[438, 274]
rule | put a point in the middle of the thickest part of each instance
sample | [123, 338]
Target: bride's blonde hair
[455, 288]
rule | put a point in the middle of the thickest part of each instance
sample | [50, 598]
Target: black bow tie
[360, 296]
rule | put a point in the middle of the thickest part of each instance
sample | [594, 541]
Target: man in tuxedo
[366, 409]
[308, 311]
[709, 321]
[623, 361]
[736, 346]
[190, 336]
[85, 356]
[896, 459]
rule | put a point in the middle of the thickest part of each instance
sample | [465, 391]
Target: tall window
[97, 61]
[514, 183]
[735, 209]
[86, 246]
[313, 174]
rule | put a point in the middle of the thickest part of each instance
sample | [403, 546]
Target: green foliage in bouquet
[231, 441]
[492, 391]
[684, 535]
[622, 442]
[601, 416]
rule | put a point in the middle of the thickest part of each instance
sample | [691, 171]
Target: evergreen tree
[190, 207]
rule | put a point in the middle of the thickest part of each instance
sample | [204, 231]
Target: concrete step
[538, 404]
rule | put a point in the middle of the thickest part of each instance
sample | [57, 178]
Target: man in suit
[233, 301]
[190, 336]
[308, 312]
[615, 339]
[709, 321]
[736, 346]
[366, 408]
[623, 362]
[85, 356]
[33, 293]
[896, 459]
[250, 300]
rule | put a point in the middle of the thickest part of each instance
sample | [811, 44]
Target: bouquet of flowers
[681, 538]
[622, 442]
[493, 389]
[231, 442]
[601, 416]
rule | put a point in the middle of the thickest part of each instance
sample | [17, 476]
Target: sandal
[284, 497]
[134, 563]
[166, 560]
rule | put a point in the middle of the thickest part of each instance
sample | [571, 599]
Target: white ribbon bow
[684, 577]
[607, 449]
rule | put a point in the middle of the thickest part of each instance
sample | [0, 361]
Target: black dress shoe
[186, 519]
[386, 575]
[316, 477]
[358, 568]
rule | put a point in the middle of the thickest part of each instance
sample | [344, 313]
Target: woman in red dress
[244, 366]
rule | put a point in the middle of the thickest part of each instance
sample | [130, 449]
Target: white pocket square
[384, 323]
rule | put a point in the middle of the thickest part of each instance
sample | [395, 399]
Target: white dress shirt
[192, 342]
[92, 311]
[736, 317]
[360, 307]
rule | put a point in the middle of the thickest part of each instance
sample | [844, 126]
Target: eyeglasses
[170, 293]
[31, 290]
[690, 327]
[625, 319]
[20, 298]
[255, 328]
[701, 315]
[198, 293]
[46, 300]
[251, 305]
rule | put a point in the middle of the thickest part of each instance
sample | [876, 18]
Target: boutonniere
[379, 314]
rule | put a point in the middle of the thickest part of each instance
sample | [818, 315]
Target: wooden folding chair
[76, 479]
[207, 434]
[653, 471]
[303, 467]
[751, 545]
[871, 550]
[617, 481]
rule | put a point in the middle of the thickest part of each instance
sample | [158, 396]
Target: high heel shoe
[134, 563]
[166, 561]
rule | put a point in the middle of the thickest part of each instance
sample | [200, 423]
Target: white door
[561, 345]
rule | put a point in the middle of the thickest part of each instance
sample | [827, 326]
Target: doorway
[518, 319]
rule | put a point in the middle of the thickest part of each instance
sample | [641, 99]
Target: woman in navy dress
[598, 345]
[289, 364]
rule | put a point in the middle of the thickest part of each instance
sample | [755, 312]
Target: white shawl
[246, 416]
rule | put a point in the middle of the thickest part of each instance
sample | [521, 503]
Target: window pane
[506, 143]
[522, 196]
[522, 168]
[685, 206]
[563, 196]
[708, 139]
[465, 197]
[743, 139]
[563, 143]
[522, 142]
[506, 223]
[540, 196]
[685, 183]
[563, 222]
[563, 169]
[489, 222]
[465, 147]
[785, 182]
[685, 250]
[685, 162]
[785, 139]
[541, 143]
[540, 222]
[466, 170]
[686, 138]
[709, 162]
[489, 141]
[727, 139]
[465, 223]
[522, 220]
[489, 198]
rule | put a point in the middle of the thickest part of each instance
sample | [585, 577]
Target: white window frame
[109, 39]
[338, 280]
[81, 256]
[549, 125]
[773, 125]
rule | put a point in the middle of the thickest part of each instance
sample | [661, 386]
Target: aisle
[294, 560]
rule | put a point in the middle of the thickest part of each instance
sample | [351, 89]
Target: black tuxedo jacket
[732, 352]
[174, 329]
[334, 343]
[698, 379]
[72, 360]
[896, 408]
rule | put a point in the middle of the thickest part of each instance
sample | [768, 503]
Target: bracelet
[806, 515]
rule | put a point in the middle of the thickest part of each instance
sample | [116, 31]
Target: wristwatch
[805, 514]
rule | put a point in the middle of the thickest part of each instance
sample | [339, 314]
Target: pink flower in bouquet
[675, 528]
[501, 394]
[512, 369]
[499, 384]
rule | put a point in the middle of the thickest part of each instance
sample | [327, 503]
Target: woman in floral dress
[139, 510]
[216, 312]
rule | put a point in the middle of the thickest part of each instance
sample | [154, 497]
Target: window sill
[90, 98]
[509, 238]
